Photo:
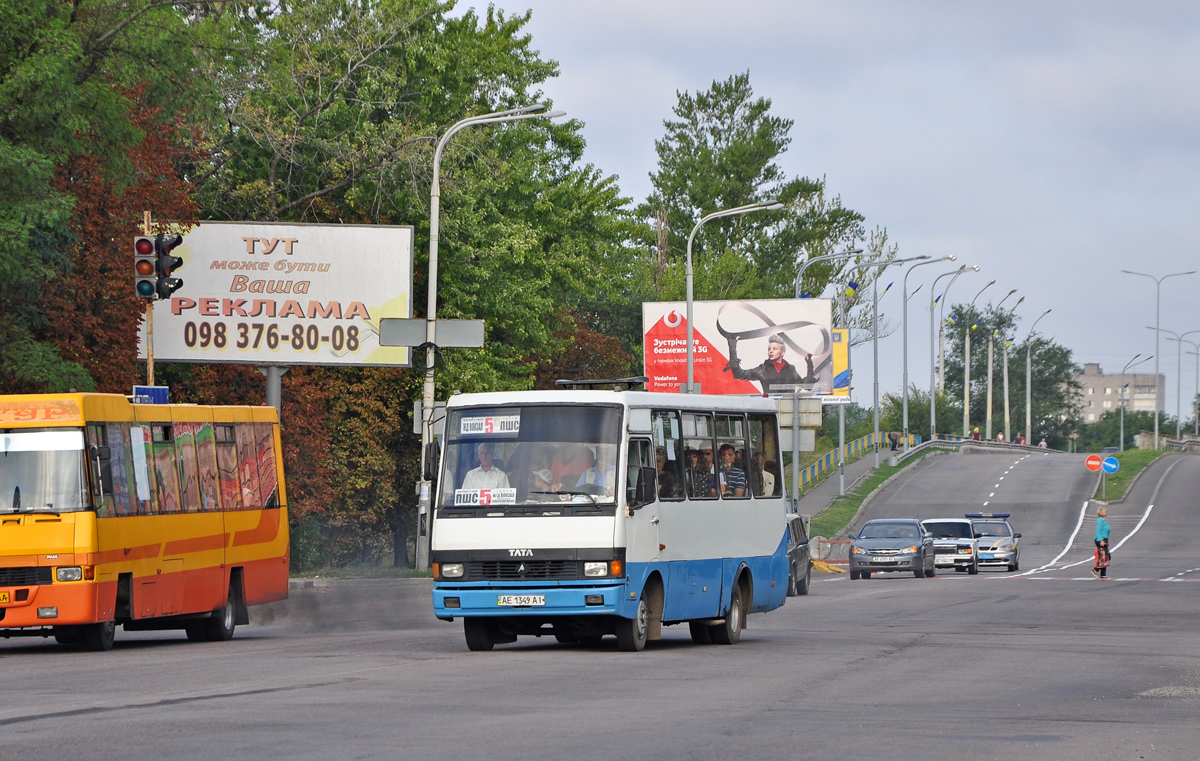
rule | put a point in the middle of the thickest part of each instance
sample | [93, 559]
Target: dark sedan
[891, 544]
[799, 557]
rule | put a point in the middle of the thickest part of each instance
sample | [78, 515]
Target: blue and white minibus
[583, 513]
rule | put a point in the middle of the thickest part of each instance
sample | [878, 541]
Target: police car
[998, 543]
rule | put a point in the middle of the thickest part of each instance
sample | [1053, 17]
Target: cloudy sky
[1054, 144]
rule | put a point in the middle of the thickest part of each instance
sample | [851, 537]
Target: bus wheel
[701, 633]
[632, 632]
[99, 637]
[219, 628]
[67, 635]
[731, 631]
[196, 634]
[478, 636]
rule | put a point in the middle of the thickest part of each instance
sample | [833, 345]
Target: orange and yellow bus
[151, 516]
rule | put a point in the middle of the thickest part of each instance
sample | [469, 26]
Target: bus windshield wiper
[590, 496]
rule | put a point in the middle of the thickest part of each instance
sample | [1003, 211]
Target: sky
[1053, 144]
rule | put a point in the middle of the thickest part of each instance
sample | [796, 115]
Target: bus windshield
[530, 455]
[42, 471]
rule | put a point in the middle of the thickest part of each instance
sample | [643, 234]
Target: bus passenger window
[764, 476]
[668, 454]
[731, 457]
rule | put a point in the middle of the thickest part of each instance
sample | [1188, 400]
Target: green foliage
[949, 413]
[1133, 462]
[720, 152]
[1106, 432]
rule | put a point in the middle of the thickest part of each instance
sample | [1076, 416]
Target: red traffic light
[143, 246]
[145, 267]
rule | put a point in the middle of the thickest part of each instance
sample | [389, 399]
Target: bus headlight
[595, 569]
[452, 570]
[69, 573]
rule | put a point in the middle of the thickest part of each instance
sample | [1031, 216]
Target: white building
[1102, 392]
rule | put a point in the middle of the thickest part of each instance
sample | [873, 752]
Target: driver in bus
[486, 476]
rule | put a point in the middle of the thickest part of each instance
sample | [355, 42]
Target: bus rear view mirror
[431, 461]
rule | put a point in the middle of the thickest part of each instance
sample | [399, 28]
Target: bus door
[689, 532]
[641, 535]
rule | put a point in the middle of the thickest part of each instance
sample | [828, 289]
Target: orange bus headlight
[69, 573]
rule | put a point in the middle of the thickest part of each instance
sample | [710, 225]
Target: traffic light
[144, 267]
[163, 245]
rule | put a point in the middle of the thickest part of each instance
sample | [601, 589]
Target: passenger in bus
[701, 476]
[731, 478]
[487, 475]
[764, 480]
[541, 489]
[600, 473]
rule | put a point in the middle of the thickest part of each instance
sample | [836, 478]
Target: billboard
[776, 346]
[288, 294]
[841, 367]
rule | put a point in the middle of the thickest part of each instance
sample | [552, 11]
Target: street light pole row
[1157, 316]
[933, 389]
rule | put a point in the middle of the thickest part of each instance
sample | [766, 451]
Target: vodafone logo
[673, 319]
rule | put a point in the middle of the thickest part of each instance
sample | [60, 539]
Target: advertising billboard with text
[287, 294]
[776, 346]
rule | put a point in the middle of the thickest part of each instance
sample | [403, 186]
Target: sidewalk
[820, 496]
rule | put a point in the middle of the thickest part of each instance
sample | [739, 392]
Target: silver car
[998, 543]
[891, 544]
[954, 544]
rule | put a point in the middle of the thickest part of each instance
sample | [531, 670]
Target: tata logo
[520, 553]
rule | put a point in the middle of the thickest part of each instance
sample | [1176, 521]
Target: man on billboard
[776, 373]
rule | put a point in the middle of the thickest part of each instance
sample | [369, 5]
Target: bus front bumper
[547, 601]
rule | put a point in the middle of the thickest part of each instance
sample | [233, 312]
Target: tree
[720, 152]
[1106, 432]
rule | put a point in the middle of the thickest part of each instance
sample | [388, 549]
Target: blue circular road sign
[1111, 465]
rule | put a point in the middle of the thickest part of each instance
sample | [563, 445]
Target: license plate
[3, 597]
[884, 560]
[944, 560]
[520, 601]
[986, 556]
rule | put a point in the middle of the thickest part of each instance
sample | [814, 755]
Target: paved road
[995, 666]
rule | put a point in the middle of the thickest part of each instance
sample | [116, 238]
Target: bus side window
[165, 474]
[206, 456]
[668, 454]
[732, 478]
[247, 465]
[227, 467]
[121, 465]
[184, 436]
[764, 473]
[700, 475]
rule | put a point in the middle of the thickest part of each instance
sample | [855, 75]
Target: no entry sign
[1093, 462]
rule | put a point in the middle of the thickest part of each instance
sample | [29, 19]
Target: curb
[1127, 488]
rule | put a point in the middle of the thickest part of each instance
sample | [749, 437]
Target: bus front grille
[24, 577]
[516, 570]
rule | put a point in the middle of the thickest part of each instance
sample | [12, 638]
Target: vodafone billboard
[287, 294]
[768, 346]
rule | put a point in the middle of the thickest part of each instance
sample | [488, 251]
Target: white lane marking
[1078, 524]
[992, 494]
[985, 504]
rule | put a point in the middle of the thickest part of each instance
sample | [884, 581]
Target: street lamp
[933, 391]
[761, 206]
[827, 257]
[991, 347]
[536, 111]
[1157, 315]
[875, 334]
[1196, 396]
[1004, 354]
[1029, 379]
[1179, 338]
[967, 365]
[904, 343]
[941, 381]
[1124, 369]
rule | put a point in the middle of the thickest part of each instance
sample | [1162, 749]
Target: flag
[851, 289]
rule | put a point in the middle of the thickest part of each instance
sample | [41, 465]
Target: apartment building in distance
[1102, 392]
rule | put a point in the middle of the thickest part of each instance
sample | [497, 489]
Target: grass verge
[1133, 461]
[843, 509]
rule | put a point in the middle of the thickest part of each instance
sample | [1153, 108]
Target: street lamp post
[1179, 338]
[1029, 379]
[967, 365]
[942, 331]
[746, 209]
[1196, 396]
[827, 257]
[875, 336]
[991, 347]
[1125, 369]
[536, 111]
[933, 391]
[1157, 315]
[1004, 354]
[904, 343]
